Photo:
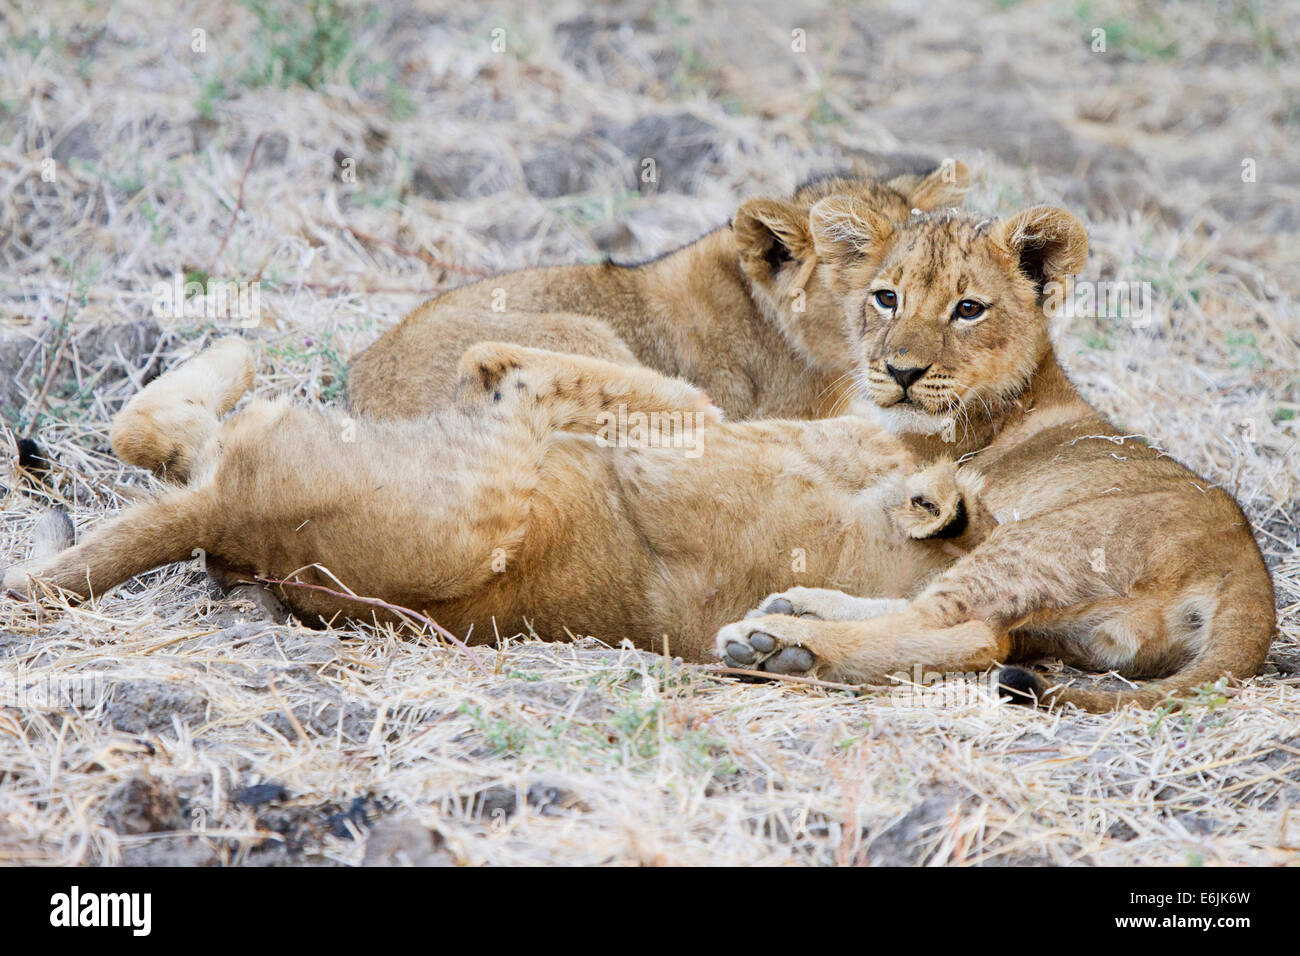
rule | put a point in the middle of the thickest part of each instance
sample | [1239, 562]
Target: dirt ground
[356, 159]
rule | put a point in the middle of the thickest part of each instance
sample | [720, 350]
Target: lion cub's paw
[709, 413]
[935, 504]
[484, 365]
[751, 645]
[825, 604]
[16, 584]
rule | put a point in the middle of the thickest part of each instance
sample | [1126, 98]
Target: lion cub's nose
[906, 376]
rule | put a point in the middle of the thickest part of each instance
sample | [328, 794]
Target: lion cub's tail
[1240, 632]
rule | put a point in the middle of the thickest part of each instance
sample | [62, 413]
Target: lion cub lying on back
[743, 313]
[504, 512]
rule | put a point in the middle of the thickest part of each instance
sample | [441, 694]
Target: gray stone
[143, 805]
[147, 706]
[682, 145]
[560, 167]
[463, 174]
[401, 840]
[106, 352]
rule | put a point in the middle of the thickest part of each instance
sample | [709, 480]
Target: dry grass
[578, 754]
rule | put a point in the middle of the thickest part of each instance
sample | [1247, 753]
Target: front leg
[826, 604]
[861, 652]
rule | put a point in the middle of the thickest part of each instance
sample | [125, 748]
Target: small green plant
[299, 44]
[501, 735]
[319, 352]
[1148, 36]
[1210, 697]
[213, 92]
[1245, 353]
[1098, 341]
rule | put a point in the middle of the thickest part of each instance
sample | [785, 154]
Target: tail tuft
[31, 458]
[1021, 686]
[52, 534]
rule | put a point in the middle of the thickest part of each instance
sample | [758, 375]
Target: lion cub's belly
[698, 541]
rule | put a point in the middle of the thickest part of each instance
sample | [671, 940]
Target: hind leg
[411, 369]
[570, 391]
[143, 537]
[169, 427]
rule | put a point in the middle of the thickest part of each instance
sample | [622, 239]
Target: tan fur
[1110, 555]
[743, 313]
[509, 510]
[165, 425]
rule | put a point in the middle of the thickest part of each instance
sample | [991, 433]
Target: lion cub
[522, 504]
[743, 313]
[1110, 554]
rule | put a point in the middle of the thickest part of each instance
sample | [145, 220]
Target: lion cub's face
[778, 254]
[945, 310]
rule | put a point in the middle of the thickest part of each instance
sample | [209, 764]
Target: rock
[261, 793]
[646, 231]
[501, 802]
[143, 805]
[111, 348]
[463, 174]
[281, 647]
[76, 143]
[561, 167]
[179, 850]
[272, 151]
[322, 719]
[147, 706]
[15, 645]
[992, 108]
[617, 51]
[682, 146]
[401, 840]
[910, 840]
[248, 604]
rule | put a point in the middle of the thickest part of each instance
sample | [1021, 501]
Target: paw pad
[758, 650]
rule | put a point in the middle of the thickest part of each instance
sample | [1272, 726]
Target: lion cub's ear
[770, 233]
[1046, 243]
[946, 186]
[846, 228]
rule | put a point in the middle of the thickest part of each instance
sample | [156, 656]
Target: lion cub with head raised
[1110, 554]
[743, 312]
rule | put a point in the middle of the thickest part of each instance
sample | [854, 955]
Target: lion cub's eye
[968, 309]
[886, 299]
